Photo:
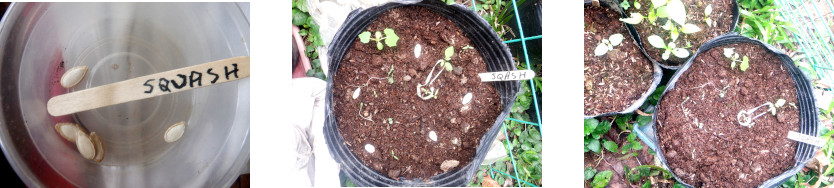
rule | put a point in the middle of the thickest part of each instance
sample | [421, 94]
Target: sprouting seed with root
[745, 117]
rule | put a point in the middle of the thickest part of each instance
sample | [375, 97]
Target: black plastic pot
[658, 72]
[494, 52]
[664, 64]
[808, 122]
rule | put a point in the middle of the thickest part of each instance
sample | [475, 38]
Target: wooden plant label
[183, 79]
[507, 75]
[808, 139]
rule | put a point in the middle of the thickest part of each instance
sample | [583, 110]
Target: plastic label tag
[799, 137]
[507, 75]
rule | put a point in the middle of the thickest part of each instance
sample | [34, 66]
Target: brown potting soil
[722, 15]
[698, 131]
[617, 79]
[400, 122]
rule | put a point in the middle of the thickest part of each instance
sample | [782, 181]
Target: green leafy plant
[640, 173]
[395, 156]
[670, 48]
[390, 38]
[594, 129]
[498, 13]
[608, 44]
[601, 179]
[743, 62]
[675, 12]
[761, 19]
[309, 30]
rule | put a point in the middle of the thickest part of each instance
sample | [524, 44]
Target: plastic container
[119, 41]
[658, 72]
[495, 53]
[808, 123]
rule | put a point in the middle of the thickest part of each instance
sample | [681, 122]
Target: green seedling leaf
[625, 5]
[728, 52]
[377, 36]
[744, 64]
[674, 33]
[390, 121]
[391, 38]
[636, 5]
[610, 146]
[616, 39]
[601, 49]
[379, 46]
[680, 52]
[733, 65]
[666, 54]
[676, 11]
[365, 37]
[690, 28]
[658, 3]
[662, 12]
[667, 26]
[708, 10]
[448, 66]
[652, 16]
[780, 103]
[656, 41]
[601, 179]
[636, 18]
[449, 52]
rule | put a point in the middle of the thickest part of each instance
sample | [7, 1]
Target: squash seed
[69, 130]
[356, 92]
[175, 132]
[98, 146]
[73, 76]
[84, 145]
[466, 98]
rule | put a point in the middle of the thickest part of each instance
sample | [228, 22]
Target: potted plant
[618, 77]
[724, 118]
[675, 28]
[405, 106]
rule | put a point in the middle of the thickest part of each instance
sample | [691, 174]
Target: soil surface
[722, 16]
[398, 122]
[617, 79]
[698, 131]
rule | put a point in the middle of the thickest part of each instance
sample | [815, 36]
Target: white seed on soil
[73, 76]
[449, 165]
[433, 136]
[69, 130]
[370, 148]
[99, 147]
[356, 93]
[84, 145]
[467, 98]
[175, 132]
[417, 50]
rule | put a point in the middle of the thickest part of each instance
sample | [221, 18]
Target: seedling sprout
[390, 38]
[608, 44]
